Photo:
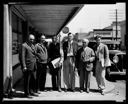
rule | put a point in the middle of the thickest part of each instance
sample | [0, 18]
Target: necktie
[33, 48]
[69, 47]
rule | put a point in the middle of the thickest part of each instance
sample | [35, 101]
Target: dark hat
[97, 37]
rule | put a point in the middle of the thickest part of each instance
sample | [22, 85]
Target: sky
[96, 16]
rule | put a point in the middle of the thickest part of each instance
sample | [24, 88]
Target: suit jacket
[65, 48]
[85, 58]
[54, 51]
[42, 54]
[28, 57]
[102, 54]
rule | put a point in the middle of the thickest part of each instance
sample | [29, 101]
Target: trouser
[56, 77]
[100, 75]
[29, 81]
[69, 73]
[84, 78]
[41, 75]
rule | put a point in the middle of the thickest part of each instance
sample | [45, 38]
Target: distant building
[109, 33]
[121, 32]
[80, 36]
[105, 33]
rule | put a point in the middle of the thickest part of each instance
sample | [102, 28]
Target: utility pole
[116, 25]
[116, 16]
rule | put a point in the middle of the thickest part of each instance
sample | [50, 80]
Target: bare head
[42, 38]
[31, 38]
[54, 39]
[98, 39]
[70, 36]
[85, 42]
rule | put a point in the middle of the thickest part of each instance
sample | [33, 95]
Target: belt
[97, 59]
[70, 56]
[87, 62]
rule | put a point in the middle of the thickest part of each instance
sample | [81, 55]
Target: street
[118, 93]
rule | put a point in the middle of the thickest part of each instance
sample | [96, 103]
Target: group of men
[36, 58]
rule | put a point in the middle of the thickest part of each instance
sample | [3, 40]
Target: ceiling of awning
[50, 19]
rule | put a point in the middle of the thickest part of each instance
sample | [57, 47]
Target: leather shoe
[102, 92]
[65, 90]
[73, 90]
[27, 96]
[81, 91]
[87, 91]
[33, 94]
[38, 92]
[59, 90]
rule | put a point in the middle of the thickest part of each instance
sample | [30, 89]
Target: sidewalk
[55, 95]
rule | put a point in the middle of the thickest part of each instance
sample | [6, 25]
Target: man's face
[70, 37]
[54, 39]
[85, 44]
[31, 38]
[43, 38]
[98, 41]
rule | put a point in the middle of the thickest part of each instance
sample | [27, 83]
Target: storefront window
[17, 34]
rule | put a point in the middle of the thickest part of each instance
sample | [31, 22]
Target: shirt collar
[70, 41]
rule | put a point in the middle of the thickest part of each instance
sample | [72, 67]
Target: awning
[50, 19]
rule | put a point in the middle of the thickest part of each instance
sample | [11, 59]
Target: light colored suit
[102, 61]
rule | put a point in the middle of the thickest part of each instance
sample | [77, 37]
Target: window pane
[19, 25]
[14, 22]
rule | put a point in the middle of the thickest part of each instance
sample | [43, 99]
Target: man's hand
[24, 69]
[58, 64]
[88, 60]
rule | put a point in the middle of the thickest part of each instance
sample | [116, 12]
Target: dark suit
[65, 49]
[69, 64]
[54, 52]
[85, 65]
[29, 61]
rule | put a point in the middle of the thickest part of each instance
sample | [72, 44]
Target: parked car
[118, 64]
[118, 60]
[117, 57]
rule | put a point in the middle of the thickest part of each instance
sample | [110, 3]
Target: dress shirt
[70, 49]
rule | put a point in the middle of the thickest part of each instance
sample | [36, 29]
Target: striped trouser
[69, 73]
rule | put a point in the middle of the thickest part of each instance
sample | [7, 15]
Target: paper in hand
[55, 61]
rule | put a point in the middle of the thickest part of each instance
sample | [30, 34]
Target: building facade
[16, 29]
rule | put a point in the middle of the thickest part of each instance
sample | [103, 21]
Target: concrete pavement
[55, 95]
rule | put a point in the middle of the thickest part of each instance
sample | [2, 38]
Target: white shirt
[70, 49]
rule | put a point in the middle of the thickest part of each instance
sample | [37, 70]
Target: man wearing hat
[85, 58]
[102, 61]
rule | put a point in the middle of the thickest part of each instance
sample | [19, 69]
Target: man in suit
[70, 49]
[54, 53]
[42, 59]
[29, 66]
[102, 61]
[85, 65]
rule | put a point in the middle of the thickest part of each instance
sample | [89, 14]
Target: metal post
[7, 80]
